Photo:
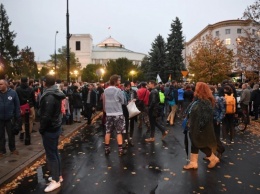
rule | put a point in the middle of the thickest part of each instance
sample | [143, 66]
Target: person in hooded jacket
[50, 128]
[201, 129]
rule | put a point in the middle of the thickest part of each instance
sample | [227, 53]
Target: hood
[54, 90]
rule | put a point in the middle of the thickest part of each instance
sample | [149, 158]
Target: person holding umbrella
[201, 129]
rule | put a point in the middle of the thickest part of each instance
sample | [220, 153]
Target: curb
[14, 173]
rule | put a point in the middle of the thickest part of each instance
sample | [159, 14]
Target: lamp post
[55, 56]
[68, 43]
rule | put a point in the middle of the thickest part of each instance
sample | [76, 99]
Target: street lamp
[76, 74]
[102, 73]
[132, 72]
[55, 56]
[51, 72]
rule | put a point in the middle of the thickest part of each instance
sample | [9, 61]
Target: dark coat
[201, 125]
[77, 99]
[9, 105]
[50, 110]
[26, 94]
[255, 97]
[154, 101]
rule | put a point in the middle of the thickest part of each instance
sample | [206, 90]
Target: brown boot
[213, 161]
[193, 162]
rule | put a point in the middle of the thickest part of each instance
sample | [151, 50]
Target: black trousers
[6, 125]
[154, 123]
[88, 112]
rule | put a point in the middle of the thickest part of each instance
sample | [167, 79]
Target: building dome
[110, 42]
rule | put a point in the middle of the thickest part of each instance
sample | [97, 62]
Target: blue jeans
[76, 114]
[50, 143]
[6, 126]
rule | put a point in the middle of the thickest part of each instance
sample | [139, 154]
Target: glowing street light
[102, 71]
[51, 72]
[132, 73]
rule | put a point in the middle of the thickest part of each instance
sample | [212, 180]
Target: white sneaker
[52, 186]
[60, 179]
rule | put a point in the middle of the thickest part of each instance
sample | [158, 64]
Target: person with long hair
[201, 129]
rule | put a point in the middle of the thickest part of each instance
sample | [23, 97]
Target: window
[239, 30]
[227, 31]
[217, 33]
[77, 45]
[228, 41]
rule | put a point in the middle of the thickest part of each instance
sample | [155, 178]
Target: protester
[244, 101]
[255, 99]
[154, 112]
[143, 94]
[50, 128]
[113, 99]
[129, 95]
[201, 129]
[26, 95]
[187, 96]
[77, 103]
[172, 98]
[219, 114]
[10, 112]
[90, 102]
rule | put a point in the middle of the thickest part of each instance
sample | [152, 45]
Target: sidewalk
[12, 165]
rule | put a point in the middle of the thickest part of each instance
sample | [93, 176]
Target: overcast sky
[134, 23]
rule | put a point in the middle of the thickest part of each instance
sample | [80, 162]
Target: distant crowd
[207, 111]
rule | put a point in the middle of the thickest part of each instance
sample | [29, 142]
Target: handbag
[23, 108]
[132, 109]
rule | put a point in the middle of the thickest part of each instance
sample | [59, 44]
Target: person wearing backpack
[228, 126]
[162, 102]
[143, 94]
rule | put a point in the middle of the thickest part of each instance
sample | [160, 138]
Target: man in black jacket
[26, 95]
[89, 96]
[50, 128]
[154, 111]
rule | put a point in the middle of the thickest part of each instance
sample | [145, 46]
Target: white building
[109, 49]
[228, 31]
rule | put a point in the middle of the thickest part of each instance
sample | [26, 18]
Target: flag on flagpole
[170, 78]
[158, 79]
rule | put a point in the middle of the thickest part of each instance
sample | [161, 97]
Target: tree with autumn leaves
[211, 61]
[248, 44]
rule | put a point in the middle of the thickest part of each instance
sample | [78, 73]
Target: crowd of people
[207, 109]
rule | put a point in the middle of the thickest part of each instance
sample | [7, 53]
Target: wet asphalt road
[150, 168]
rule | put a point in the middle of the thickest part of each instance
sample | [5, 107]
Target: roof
[111, 49]
[110, 42]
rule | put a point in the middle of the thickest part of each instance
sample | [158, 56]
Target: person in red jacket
[143, 94]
